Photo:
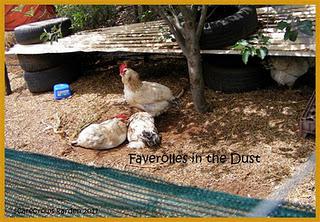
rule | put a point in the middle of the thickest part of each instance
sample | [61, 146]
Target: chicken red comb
[122, 67]
[122, 116]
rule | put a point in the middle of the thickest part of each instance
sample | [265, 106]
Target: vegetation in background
[146, 15]
[88, 16]
[53, 35]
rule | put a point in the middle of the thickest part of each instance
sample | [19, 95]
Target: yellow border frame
[139, 2]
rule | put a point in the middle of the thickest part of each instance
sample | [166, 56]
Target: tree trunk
[196, 81]
[195, 69]
[188, 35]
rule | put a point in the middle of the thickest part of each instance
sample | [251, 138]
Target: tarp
[16, 15]
[43, 186]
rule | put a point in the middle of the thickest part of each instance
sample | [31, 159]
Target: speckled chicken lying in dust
[106, 135]
[142, 131]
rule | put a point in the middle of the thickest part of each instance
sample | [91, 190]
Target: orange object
[16, 15]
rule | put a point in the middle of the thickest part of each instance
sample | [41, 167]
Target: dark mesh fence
[43, 186]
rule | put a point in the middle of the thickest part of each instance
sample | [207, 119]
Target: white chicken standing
[286, 70]
[106, 135]
[151, 97]
[142, 131]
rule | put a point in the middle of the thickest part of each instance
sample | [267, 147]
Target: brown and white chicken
[142, 131]
[150, 97]
[106, 135]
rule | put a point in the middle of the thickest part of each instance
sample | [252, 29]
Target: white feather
[140, 123]
[106, 135]
[286, 70]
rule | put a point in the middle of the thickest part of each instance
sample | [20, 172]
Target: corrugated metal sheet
[150, 37]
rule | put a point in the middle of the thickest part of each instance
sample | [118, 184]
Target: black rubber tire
[36, 63]
[234, 77]
[30, 33]
[45, 80]
[226, 31]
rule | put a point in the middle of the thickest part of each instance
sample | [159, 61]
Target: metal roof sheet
[150, 37]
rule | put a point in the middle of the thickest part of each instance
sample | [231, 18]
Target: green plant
[166, 36]
[146, 16]
[255, 45]
[88, 16]
[293, 26]
[53, 35]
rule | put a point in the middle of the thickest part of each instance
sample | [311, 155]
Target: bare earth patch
[263, 122]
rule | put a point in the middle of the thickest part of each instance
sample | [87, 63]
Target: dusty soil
[263, 122]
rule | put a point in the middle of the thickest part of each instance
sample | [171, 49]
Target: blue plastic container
[61, 91]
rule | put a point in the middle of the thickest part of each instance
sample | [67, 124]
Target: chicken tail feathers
[74, 143]
[175, 101]
[151, 138]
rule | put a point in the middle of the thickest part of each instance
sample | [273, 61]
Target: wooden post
[7, 81]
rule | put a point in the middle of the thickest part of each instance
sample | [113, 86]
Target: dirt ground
[263, 122]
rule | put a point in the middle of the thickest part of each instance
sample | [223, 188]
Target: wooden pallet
[308, 121]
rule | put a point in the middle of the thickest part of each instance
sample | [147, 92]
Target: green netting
[43, 186]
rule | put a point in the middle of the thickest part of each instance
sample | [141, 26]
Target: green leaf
[245, 56]
[241, 44]
[265, 39]
[306, 27]
[286, 34]
[282, 25]
[237, 46]
[43, 35]
[293, 35]
[252, 51]
[262, 52]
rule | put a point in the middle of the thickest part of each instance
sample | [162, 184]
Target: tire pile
[227, 73]
[43, 71]
[224, 26]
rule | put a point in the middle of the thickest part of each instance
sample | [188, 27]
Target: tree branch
[186, 13]
[175, 31]
[212, 11]
[201, 21]
[175, 20]
[194, 9]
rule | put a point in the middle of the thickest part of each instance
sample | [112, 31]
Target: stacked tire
[225, 25]
[30, 33]
[227, 73]
[43, 71]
